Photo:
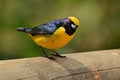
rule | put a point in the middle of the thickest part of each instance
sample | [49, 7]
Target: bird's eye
[73, 26]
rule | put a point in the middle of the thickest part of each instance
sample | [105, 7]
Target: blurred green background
[99, 28]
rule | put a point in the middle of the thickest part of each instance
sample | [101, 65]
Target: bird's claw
[58, 55]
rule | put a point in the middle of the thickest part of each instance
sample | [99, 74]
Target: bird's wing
[47, 28]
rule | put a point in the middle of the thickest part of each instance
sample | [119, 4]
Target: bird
[53, 35]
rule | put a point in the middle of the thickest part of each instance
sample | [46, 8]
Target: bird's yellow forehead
[75, 20]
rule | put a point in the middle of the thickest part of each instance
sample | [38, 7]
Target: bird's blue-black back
[47, 28]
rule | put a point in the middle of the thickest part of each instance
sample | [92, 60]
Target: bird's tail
[26, 30]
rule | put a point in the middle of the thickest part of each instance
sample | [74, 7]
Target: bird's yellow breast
[54, 41]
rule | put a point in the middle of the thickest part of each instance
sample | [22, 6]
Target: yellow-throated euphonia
[53, 35]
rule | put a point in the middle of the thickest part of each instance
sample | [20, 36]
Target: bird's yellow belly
[54, 41]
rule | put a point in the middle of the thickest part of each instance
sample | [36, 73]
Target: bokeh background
[99, 28]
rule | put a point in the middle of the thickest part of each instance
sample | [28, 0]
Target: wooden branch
[96, 65]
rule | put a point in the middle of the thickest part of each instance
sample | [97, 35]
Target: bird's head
[74, 20]
[70, 24]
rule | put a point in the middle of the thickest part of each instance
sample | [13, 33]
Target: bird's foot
[58, 55]
[50, 57]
